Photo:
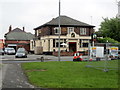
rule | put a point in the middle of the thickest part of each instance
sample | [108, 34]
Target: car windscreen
[20, 51]
[10, 49]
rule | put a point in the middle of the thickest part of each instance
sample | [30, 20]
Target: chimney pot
[23, 28]
[10, 28]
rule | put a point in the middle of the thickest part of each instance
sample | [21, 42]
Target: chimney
[10, 28]
[23, 28]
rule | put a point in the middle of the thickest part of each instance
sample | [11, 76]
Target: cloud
[33, 13]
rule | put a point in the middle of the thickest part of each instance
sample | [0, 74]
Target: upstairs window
[70, 29]
[82, 31]
[56, 30]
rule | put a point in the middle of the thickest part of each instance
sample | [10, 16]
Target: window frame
[57, 28]
[56, 43]
[70, 29]
[83, 31]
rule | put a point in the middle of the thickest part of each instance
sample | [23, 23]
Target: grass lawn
[69, 74]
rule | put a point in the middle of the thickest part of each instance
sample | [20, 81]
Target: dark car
[1, 52]
[21, 52]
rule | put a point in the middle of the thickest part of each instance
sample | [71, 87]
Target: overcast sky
[33, 13]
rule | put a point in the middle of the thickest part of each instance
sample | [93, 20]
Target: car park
[1, 52]
[21, 52]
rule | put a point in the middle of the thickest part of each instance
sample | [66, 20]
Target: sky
[33, 13]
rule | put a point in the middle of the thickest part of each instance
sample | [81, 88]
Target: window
[56, 30]
[53, 42]
[37, 32]
[85, 44]
[32, 44]
[56, 42]
[80, 43]
[70, 29]
[82, 31]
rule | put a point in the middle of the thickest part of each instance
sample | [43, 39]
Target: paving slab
[13, 77]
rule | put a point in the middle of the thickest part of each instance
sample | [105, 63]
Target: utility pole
[59, 34]
[91, 20]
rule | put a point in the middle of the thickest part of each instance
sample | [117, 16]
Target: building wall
[47, 42]
[17, 44]
[49, 30]
[47, 36]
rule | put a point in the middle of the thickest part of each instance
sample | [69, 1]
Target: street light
[94, 36]
[59, 34]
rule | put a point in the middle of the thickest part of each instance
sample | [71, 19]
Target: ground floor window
[56, 42]
[83, 43]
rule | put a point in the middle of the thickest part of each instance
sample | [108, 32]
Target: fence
[108, 61]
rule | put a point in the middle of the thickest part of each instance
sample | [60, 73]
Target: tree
[104, 40]
[110, 28]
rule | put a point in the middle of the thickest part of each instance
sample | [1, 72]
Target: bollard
[42, 59]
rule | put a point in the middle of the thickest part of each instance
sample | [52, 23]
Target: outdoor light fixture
[94, 36]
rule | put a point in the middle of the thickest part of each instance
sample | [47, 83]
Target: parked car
[1, 52]
[21, 52]
[9, 51]
[6, 50]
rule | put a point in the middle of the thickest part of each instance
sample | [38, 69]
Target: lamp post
[59, 34]
[94, 36]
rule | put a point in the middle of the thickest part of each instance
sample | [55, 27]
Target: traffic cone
[81, 57]
[75, 56]
[90, 59]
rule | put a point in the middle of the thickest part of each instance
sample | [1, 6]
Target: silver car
[9, 51]
[21, 52]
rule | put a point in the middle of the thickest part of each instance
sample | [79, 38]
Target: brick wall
[49, 30]
[63, 53]
[24, 44]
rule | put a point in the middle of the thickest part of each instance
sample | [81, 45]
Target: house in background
[75, 34]
[1, 43]
[18, 38]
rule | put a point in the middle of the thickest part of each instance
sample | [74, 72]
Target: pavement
[13, 77]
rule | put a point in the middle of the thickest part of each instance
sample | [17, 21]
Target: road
[33, 58]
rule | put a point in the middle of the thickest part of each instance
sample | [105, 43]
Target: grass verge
[69, 75]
